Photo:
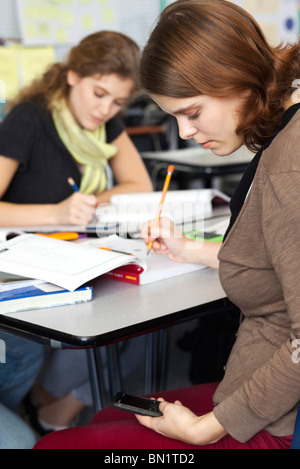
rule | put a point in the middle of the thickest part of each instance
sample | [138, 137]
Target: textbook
[22, 296]
[63, 263]
[146, 269]
[157, 269]
[70, 265]
[8, 281]
[204, 197]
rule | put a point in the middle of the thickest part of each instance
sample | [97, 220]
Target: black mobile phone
[137, 405]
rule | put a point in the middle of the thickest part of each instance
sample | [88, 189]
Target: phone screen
[138, 405]
[135, 401]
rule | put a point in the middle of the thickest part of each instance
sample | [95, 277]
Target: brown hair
[216, 48]
[103, 53]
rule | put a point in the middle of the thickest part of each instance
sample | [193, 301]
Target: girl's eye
[120, 103]
[193, 117]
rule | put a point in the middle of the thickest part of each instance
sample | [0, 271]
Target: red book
[128, 273]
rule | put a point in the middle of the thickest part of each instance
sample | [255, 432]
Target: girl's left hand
[180, 423]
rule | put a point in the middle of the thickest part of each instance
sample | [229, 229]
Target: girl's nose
[105, 107]
[186, 129]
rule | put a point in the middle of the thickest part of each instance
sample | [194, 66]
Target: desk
[120, 311]
[199, 162]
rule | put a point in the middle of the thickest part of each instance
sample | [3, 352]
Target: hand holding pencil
[167, 239]
[77, 209]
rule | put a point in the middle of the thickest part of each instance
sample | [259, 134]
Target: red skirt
[115, 429]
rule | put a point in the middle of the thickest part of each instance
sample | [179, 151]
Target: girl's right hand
[78, 209]
[167, 238]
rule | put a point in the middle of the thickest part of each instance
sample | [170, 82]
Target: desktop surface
[120, 310]
[198, 157]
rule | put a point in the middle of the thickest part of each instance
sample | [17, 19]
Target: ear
[72, 78]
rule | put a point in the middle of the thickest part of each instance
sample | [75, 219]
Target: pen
[73, 184]
[163, 195]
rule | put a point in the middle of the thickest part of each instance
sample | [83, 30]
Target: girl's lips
[206, 144]
[97, 119]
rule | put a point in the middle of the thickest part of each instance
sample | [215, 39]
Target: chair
[296, 435]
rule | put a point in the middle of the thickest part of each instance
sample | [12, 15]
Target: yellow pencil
[161, 203]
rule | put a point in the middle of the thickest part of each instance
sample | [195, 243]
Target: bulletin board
[138, 17]
[19, 65]
[47, 29]
[279, 19]
[65, 21]
[57, 22]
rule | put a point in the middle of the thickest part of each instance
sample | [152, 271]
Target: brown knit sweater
[260, 272]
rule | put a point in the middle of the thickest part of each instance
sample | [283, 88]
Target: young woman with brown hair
[64, 125]
[209, 64]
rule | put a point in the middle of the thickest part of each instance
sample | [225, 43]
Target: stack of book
[20, 294]
[41, 271]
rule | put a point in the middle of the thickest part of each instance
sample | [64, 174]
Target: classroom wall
[59, 22]
[64, 22]
[46, 29]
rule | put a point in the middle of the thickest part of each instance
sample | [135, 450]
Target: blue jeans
[23, 363]
[14, 433]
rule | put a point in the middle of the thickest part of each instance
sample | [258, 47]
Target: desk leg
[163, 359]
[150, 362]
[114, 369]
[156, 361]
[96, 377]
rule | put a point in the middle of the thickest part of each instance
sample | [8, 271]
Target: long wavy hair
[101, 53]
[216, 48]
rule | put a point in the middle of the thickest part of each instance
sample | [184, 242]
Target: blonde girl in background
[65, 125]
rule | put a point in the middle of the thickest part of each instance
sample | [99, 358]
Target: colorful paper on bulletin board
[34, 61]
[45, 22]
[19, 65]
[9, 74]
[279, 19]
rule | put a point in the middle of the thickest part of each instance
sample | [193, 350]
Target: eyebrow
[186, 110]
[107, 92]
